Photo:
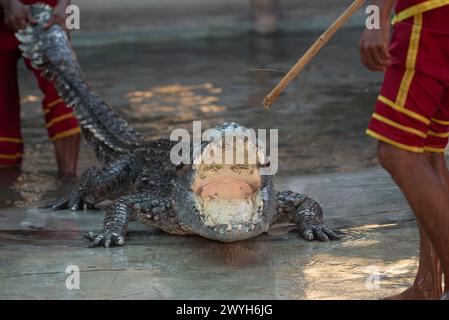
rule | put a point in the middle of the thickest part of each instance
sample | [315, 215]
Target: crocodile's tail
[51, 51]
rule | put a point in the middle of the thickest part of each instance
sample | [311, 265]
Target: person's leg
[427, 197]
[62, 127]
[428, 281]
[11, 146]
[436, 143]
[439, 163]
[67, 150]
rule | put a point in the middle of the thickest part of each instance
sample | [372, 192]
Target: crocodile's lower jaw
[227, 202]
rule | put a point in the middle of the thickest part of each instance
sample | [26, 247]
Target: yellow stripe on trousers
[13, 140]
[11, 156]
[410, 65]
[419, 8]
[59, 119]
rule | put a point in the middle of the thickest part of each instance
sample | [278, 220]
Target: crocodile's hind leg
[124, 210]
[97, 185]
[307, 214]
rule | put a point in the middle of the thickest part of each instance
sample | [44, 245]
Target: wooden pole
[312, 52]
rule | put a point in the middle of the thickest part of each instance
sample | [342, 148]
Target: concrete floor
[36, 246]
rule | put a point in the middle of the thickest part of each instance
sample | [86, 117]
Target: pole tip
[267, 102]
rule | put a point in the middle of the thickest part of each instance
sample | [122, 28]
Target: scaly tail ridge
[50, 50]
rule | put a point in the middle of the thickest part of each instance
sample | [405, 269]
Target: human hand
[373, 47]
[17, 15]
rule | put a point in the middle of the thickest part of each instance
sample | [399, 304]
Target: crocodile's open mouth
[229, 195]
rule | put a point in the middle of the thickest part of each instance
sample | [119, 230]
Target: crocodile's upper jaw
[225, 202]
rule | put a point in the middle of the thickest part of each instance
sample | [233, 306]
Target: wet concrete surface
[36, 247]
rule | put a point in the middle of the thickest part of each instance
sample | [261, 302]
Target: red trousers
[60, 121]
[412, 112]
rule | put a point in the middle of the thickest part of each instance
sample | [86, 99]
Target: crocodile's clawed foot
[77, 204]
[106, 238]
[319, 232]
[60, 204]
[72, 202]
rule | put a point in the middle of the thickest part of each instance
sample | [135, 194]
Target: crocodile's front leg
[125, 210]
[97, 185]
[306, 213]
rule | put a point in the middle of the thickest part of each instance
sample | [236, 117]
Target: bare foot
[413, 293]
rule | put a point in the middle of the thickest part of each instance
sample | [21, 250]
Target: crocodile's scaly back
[51, 51]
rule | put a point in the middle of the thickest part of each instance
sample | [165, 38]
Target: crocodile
[224, 203]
